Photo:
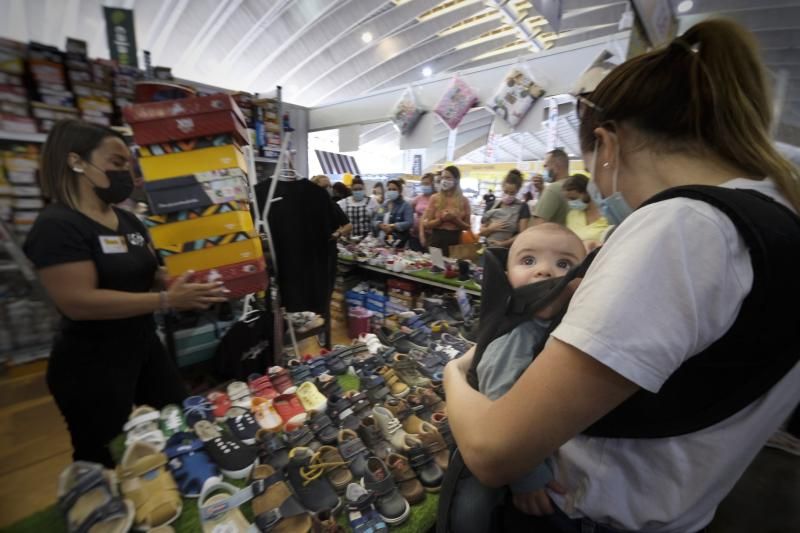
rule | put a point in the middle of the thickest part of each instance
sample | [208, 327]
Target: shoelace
[316, 467]
[393, 425]
[199, 409]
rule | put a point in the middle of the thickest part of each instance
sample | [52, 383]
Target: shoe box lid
[196, 191]
[193, 162]
[186, 118]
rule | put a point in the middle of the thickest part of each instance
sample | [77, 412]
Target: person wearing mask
[340, 191]
[508, 216]
[489, 199]
[680, 337]
[448, 213]
[584, 216]
[552, 206]
[359, 209]
[377, 193]
[97, 264]
[393, 220]
[419, 237]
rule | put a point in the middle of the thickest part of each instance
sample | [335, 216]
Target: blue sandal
[190, 465]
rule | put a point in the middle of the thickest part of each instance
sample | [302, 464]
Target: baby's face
[539, 255]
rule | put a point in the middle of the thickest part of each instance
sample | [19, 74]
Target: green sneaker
[172, 420]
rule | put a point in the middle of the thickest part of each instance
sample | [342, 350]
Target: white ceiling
[315, 50]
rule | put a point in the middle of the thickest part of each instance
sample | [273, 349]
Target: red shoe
[280, 378]
[221, 403]
[261, 386]
[290, 409]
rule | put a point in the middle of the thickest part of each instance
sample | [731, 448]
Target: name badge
[113, 244]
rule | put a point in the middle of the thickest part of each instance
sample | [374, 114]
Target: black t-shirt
[122, 257]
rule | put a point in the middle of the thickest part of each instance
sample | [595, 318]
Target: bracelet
[163, 299]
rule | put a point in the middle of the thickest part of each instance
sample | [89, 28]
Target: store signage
[121, 35]
[550, 10]
[416, 166]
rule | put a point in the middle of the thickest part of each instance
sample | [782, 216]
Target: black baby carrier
[759, 349]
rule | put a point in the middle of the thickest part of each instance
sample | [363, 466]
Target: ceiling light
[427, 71]
[685, 6]
[366, 37]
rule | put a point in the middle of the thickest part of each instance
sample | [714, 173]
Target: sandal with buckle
[190, 465]
[144, 480]
[89, 501]
[143, 425]
[274, 506]
[218, 507]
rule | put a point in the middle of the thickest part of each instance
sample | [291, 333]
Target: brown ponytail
[705, 92]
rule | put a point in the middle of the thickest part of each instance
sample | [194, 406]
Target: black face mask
[120, 188]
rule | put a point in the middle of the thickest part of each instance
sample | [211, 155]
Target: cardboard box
[187, 118]
[196, 191]
[196, 161]
[243, 278]
[212, 253]
[192, 225]
[187, 145]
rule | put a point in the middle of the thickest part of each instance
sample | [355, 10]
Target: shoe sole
[238, 474]
[401, 394]
[400, 519]
[432, 490]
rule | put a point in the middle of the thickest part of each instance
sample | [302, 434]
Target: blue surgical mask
[578, 204]
[392, 195]
[358, 195]
[427, 190]
[547, 176]
[614, 208]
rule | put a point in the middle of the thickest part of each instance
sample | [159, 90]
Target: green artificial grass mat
[423, 515]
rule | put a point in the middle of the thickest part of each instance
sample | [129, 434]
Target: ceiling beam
[594, 16]
[333, 58]
[376, 133]
[264, 21]
[208, 31]
[438, 151]
[447, 61]
[400, 44]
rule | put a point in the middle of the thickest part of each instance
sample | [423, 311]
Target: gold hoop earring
[605, 165]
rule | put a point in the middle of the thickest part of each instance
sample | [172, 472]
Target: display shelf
[427, 277]
[22, 137]
[258, 159]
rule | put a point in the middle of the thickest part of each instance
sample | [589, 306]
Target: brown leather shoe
[397, 388]
[399, 408]
[406, 479]
[441, 422]
[371, 435]
[435, 445]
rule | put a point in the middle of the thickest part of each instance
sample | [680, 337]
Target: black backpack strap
[761, 347]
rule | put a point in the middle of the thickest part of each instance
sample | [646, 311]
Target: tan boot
[397, 388]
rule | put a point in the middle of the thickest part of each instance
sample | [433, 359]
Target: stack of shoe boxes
[20, 166]
[195, 177]
[91, 82]
[53, 101]
[14, 111]
[402, 295]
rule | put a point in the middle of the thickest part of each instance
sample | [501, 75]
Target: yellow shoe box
[193, 162]
[165, 235]
[226, 250]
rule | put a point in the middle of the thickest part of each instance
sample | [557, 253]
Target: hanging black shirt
[302, 223]
[122, 257]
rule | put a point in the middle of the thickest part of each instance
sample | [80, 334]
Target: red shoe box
[241, 279]
[175, 120]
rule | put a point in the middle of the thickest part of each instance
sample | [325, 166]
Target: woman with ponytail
[448, 213]
[677, 356]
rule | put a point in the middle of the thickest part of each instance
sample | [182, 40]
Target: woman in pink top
[419, 237]
[448, 213]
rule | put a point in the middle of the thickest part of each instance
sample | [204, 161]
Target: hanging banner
[416, 166]
[451, 144]
[658, 20]
[550, 10]
[121, 36]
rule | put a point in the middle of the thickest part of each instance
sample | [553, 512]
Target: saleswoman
[448, 212]
[97, 264]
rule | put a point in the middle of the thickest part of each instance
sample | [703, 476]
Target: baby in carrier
[546, 252]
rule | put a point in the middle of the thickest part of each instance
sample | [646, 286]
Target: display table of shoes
[352, 439]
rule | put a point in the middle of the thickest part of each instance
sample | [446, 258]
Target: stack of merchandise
[196, 180]
[124, 85]
[91, 82]
[14, 112]
[53, 102]
[338, 305]
[268, 128]
[402, 295]
[20, 164]
[245, 103]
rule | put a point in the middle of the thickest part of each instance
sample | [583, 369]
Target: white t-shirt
[668, 283]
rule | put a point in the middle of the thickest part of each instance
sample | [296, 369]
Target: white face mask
[614, 208]
[446, 185]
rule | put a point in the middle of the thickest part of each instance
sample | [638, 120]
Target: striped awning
[333, 163]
